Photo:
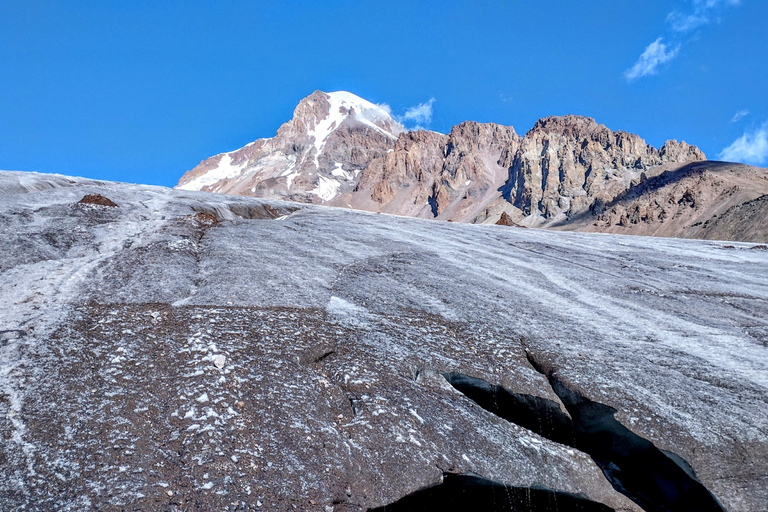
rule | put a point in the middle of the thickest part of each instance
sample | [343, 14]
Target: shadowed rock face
[709, 200]
[633, 465]
[540, 415]
[192, 350]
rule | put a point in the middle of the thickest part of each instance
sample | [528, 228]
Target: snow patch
[346, 311]
[223, 171]
[339, 172]
[290, 177]
[326, 188]
[342, 105]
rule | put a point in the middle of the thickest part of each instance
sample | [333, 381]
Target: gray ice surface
[334, 326]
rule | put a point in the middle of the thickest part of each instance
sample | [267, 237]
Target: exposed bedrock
[566, 163]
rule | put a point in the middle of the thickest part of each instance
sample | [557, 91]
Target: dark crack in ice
[656, 480]
[467, 492]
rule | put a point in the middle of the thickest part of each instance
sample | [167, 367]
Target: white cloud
[655, 54]
[386, 108]
[750, 148]
[420, 115]
[704, 12]
[700, 13]
[738, 116]
[686, 22]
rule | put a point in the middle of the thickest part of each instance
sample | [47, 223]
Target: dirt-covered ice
[186, 350]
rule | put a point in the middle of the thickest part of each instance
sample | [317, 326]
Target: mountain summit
[314, 157]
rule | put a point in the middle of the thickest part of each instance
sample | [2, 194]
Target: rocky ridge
[341, 150]
[567, 172]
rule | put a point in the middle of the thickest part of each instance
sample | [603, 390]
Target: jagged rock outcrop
[431, 175]
[473, 170]
[567, 164]
[680, 152]
[506, 220]
[205, 351]
[414, 160]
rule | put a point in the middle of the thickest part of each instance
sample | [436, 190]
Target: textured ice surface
[334, 326]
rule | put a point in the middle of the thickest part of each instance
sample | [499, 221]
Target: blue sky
[141, 91]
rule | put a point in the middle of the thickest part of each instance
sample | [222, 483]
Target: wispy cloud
[655, 54]
[699, 13]
[738, 116]
[386, 108]
[417, 117]
[703, 13]
[750, 148]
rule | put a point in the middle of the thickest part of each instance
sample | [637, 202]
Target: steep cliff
[431, 175]
[566, 164]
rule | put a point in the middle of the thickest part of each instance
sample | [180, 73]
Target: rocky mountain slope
[707, 200]
[184, 350]
[342, 150]
[430, 175]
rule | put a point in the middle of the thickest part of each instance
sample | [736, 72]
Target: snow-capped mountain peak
[345, 105]
[315, 156]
